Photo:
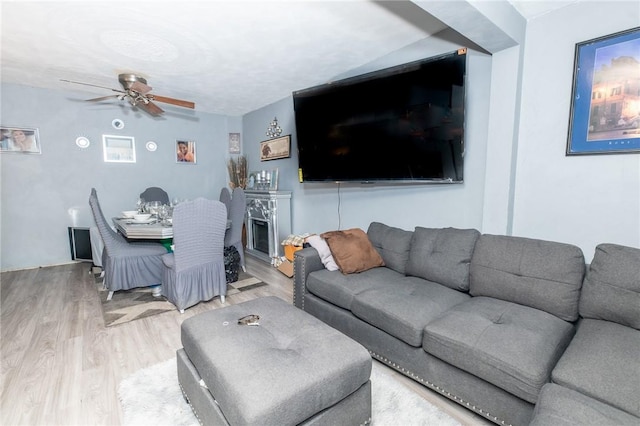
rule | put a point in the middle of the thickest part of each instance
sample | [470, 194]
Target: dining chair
[154, 193]
[225, 198]
[126, 265]
[194, 272]
[233, 237]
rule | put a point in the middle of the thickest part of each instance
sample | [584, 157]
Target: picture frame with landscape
[605, 112]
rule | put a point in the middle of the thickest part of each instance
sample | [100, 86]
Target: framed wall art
[234, 143]
[119, 149]
[186, 152]
[275, 148]
[19, 139]
[605, 100]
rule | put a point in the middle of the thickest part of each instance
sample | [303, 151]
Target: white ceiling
[229, 57]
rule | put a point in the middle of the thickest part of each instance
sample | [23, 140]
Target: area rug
[137, 303]
[152, 396]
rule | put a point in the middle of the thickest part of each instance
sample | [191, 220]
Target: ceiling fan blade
[93, 85]
[150, 107]
[102, 98]
[178, 102]
[140, 87]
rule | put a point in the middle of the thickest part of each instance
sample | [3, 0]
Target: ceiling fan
[136, 92]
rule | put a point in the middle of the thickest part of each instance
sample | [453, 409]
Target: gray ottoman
[291, 369]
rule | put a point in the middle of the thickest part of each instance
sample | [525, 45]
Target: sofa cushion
[340, 289]
[352, 250]
[404, 308]
[541, 274]
[611, 289]
[559, 406]
[511, 346]
[442, 255]
[393, 244]
[603, 362]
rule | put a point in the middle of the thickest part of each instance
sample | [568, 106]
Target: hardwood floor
[61, 366]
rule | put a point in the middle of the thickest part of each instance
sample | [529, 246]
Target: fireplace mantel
[268, 223]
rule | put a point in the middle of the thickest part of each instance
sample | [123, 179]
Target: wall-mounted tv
[399, 125]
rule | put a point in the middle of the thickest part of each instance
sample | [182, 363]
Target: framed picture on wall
[185, 152]
[234, 143]
[19, 139]
[119, 149]
[605, 100]
[275, 148]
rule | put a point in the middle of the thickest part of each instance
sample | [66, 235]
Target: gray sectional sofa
[521, 331]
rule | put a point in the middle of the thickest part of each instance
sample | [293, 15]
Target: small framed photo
[119, 149]
[275, 148]
[185, 152]
[605, 107]
[19, 139]
[234, 143]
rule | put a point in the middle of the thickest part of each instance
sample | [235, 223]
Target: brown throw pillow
[352, 250]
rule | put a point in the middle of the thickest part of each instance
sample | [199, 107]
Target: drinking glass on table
[163, 213]
[140, 205]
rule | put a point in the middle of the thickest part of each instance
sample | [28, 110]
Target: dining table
[152, 229]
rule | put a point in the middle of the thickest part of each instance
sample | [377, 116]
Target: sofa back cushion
[442, 255]
[611, 289]
[545, 275]
[392, 243]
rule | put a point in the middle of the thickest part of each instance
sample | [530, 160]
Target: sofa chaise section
[599, 372]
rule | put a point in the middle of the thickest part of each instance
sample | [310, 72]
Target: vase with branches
[237, 168]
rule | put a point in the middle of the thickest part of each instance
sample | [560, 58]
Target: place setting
[151, 220]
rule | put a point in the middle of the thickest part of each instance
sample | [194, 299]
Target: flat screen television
[403, 124]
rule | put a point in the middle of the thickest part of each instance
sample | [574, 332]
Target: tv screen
[401, 124]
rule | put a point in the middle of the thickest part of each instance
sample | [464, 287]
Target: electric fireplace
[268, 223]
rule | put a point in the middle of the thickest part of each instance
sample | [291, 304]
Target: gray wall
[518, 180]
[44, 194]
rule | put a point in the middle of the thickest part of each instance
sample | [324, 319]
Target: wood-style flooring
[61, 366]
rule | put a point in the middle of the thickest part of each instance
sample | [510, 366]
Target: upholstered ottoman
[290, 369]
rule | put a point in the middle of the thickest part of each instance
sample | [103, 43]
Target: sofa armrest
[305, 261]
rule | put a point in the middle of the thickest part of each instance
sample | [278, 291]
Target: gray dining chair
[225, 198]
[238, 209]
[154, 193]
[194, 272]
[126, 265]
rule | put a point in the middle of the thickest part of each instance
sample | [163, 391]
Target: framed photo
[186, 152]
[119, 149]
[275, 148]
[19, 139]
[234, 143]
[605, 100]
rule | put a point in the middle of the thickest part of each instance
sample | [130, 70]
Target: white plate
[150, 220]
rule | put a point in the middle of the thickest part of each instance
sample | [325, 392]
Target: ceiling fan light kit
[136, 91]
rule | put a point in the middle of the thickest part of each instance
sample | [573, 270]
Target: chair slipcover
[237, 212]
[126, 265]
[225, 198]
[194, 272]
[154, 193]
